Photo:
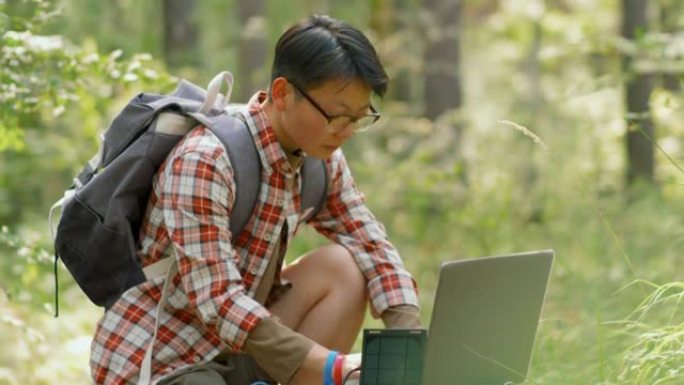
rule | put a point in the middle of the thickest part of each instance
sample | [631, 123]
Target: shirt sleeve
[402, 317]
[279, 350]
[345, 219]
[198, 193]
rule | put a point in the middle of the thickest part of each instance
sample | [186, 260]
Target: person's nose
[347, 131]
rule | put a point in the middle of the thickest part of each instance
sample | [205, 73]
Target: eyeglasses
[337, 123]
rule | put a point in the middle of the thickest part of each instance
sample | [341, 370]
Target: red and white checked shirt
[210, 306]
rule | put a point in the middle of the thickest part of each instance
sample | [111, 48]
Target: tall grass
[655, 330]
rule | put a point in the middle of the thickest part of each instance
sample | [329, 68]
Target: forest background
[509, 126]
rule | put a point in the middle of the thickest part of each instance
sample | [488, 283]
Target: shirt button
[281, 202]
[197, 358]
[267, 237]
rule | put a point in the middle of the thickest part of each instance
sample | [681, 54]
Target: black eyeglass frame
[330, 118]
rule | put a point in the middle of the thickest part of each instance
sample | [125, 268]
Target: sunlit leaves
[41, 75]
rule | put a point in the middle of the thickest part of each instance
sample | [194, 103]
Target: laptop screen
[485, 319]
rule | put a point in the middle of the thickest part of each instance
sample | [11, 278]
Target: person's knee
[341, 267]
[347, 282]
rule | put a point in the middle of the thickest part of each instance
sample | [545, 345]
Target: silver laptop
[485, 318]
[483, 325]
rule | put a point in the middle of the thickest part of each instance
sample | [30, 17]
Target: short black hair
[320, 48]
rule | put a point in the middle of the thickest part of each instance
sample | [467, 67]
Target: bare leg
[328, 299]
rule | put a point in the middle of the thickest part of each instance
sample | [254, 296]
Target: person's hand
[351, 362]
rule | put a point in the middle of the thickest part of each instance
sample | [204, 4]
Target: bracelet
[338, 368]
[328, 371]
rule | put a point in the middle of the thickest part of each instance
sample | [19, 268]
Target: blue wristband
[327, 373]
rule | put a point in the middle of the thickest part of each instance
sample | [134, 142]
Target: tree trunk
[638, 87]
[252, 68]
[443, 94]
[443, 90]
[180, 33]
[390, 22]
[381, 17]
[401, 87]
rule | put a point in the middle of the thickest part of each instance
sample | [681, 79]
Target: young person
[234, 313]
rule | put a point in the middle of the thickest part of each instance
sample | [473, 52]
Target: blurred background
[508, 126]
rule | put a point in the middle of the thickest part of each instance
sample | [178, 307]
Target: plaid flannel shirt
[210, 306]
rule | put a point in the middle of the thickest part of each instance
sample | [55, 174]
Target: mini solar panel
[393, 356]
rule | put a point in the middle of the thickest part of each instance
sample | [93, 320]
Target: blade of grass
[656, 145]
[497, 363]
[628, 261]
[527, 132]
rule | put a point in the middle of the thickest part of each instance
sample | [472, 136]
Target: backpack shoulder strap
[236, 138]
[234, 134]
[314, 187]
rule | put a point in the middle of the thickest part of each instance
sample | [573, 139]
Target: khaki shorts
[226, 369]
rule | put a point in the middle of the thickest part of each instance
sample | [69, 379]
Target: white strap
[213, 92]
[95, 161]
[68, 194]
[146, 367]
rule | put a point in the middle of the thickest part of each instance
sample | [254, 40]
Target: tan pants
[226, 369]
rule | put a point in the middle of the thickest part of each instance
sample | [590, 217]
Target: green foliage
[26, 316]
[53, 98]
[27, 260]
[41, 75]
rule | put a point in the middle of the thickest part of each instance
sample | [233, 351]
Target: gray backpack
[97, 235]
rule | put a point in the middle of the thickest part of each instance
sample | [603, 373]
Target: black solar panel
[392, 357]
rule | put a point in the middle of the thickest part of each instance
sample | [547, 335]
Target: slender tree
[389, 20]
[443, 89]
[403, 23]
[638, 88]
[180, 33]
[443, 92]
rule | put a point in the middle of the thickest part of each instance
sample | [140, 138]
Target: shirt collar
[270, 150]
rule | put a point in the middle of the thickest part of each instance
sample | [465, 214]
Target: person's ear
[279, 92]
